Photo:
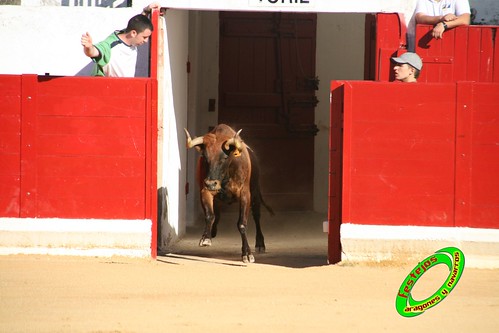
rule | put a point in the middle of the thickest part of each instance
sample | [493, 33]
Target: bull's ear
[229, 148]
[199, 148]
[234, 144]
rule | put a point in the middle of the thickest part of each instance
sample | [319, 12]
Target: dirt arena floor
[289, 289]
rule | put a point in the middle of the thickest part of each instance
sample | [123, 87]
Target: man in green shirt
[116, 56]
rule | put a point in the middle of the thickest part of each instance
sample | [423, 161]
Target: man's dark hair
[139, 23]
[416, 72]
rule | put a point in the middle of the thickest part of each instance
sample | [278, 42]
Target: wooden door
[267, 87]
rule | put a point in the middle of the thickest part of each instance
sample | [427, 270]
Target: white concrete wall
[90, 237]
[39, 40]
[340, 56]
[172, 120]
[43, 37]
[203, 85]
[375, 243]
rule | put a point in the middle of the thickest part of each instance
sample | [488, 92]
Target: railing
[466, 53]
[76, 147]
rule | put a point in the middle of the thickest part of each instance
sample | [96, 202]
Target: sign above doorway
[282, 3]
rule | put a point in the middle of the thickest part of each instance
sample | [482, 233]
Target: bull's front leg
[242, 222]
[209, 217]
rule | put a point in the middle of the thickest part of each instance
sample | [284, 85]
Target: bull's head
[216, 152]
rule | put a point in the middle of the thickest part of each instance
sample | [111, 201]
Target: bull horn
[235, 141]
[192, 143]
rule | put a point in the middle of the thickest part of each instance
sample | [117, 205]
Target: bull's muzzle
[212, 185]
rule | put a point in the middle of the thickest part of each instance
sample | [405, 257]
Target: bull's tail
[269, 209]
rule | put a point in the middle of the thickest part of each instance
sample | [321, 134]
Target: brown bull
[228, 172]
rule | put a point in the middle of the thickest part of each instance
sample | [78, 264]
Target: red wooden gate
[267, 87]
[466, 53]
[413, 154]
[75, 147]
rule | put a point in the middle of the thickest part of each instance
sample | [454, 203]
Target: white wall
[203, 85]
[340, 56]
[171, 151]
[39, 40]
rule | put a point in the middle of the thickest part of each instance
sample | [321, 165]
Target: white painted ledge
[409, 243]
[79, 237]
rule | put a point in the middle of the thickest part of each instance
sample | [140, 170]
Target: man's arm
[450, 19]
[422, 18]
[88, 47]
[463, 19]
[147, 10]
[443, 23]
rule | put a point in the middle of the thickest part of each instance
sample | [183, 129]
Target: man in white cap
[407, 67]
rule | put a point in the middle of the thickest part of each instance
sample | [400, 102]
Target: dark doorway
[267, 87]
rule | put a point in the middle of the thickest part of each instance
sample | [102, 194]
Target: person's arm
[463, 19]
[88, 47]
[422, 18]
[147, 10]
[450, 19]
[443, 23]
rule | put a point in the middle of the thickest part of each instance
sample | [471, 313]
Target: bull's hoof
[260, 244]
[247, 259]
[205, 242]
[260, 249]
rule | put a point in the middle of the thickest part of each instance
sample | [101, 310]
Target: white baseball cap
[409, 58]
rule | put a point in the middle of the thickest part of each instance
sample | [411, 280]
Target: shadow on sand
[292, 239]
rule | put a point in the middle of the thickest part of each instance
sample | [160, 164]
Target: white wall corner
[80, 237]
[412, 243]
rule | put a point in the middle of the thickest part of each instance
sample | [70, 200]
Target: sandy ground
[289, 289]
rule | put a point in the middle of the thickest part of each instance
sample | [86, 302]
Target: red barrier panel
[477, 155]
[397, 158]
[77, 147]
[80, 147]
[387, 38]
[414, 154]
[466, 53]
[10, 145]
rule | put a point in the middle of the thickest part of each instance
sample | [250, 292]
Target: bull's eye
[200, 148]
[204, 154]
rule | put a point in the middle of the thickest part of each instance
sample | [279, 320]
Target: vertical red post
[28, 146]
[335, 172]
[152, 136]
[10, 147]
[464, 114]
[495, 75]
[390, 41]
[487, 41]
